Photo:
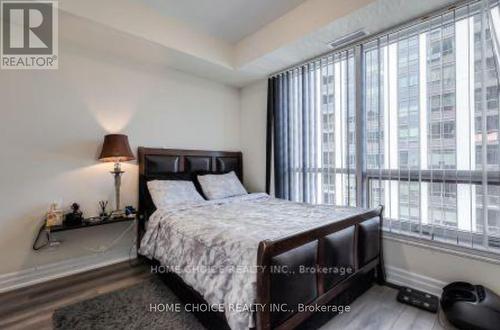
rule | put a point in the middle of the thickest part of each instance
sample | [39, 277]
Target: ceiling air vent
[348, 38]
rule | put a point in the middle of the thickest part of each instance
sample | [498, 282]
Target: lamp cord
[37, 248]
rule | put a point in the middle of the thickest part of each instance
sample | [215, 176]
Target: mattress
[212, 245]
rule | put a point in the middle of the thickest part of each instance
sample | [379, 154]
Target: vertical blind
[314, 131]
[412, 116]
[432, 127]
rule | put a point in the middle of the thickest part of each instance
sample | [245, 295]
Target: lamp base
[117, 173]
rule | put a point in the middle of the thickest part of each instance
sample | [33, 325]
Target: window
[428, 145]
[318, 133]
[430, 174]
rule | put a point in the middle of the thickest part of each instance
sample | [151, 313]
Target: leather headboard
[174, 164]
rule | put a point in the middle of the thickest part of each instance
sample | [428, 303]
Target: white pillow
[217, 186]
[168, 192]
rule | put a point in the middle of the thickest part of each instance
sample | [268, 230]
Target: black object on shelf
[473, 307]
[418, 299]
[74, 218]
[129, 210]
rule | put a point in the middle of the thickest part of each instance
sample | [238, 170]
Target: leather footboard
[300, 275]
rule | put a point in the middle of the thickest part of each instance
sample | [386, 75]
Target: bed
[265, 263]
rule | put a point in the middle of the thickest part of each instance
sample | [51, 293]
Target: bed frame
[354, 242]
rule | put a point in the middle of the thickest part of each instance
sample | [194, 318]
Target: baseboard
[40, 274]
[31, 276]
[403, 277]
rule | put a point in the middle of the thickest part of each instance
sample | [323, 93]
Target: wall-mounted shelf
[86, 224]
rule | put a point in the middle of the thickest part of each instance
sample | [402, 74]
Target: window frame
[365, 176]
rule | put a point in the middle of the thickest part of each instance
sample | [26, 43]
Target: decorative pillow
[217, 186]
[168, 192]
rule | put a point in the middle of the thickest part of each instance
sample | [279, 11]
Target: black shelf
[84, 224]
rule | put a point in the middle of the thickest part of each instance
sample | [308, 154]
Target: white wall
[431, 270]
[52, 123]
[406, 264]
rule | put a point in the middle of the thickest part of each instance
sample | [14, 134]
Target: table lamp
[116, 149]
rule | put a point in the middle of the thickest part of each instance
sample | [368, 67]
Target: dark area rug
[127, 309]
[130, 308]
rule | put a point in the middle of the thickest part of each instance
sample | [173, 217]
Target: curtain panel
[311, 118]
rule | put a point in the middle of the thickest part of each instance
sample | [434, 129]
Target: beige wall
[406, 264]
[253, 103]
[52, 124]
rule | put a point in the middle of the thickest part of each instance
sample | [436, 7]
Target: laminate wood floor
[378, 309]
[32, 307]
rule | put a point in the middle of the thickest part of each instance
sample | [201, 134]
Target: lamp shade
[116, 149]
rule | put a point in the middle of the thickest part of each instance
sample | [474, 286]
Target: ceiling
[229, 20]
[235, 42]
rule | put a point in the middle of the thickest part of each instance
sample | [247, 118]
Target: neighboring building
[416, 129]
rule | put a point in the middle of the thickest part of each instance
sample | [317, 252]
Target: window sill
[460, 251]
